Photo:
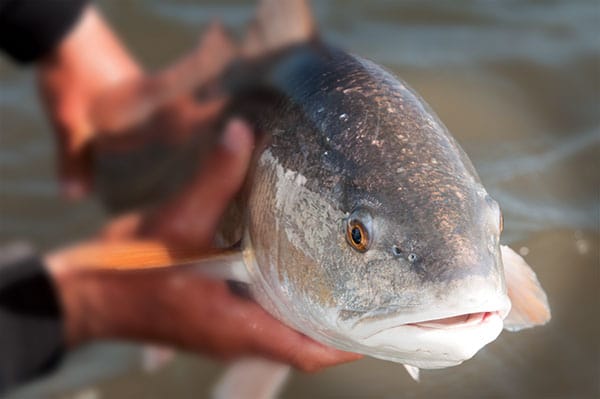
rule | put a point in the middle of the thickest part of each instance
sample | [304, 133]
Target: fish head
[370, 228]
[423, 253]
[425, 287]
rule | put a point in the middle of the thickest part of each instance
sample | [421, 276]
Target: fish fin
[412, 371]
[252, 378]
[529, 301]
[129, 104]
[277, 24]
[136, 255]
[225, 265]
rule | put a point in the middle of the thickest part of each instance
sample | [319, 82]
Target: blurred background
[516, 82]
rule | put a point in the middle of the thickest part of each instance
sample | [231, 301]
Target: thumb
[206, 198]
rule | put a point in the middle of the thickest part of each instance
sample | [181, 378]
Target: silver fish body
[350, 153]
[363, 223]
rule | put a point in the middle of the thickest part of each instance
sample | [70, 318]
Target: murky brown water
[518, 85]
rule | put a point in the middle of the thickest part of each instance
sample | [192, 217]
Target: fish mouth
[459, 321]
[472, 315]
[433, 342]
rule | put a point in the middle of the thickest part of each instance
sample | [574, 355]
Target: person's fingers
[74, 169]
[207, 197]
[70, 77]
[226, 169]
[311, 356]
[269, 336]
[122, 227]
[72, 131]
[304, 353]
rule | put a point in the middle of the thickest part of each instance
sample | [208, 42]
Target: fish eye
[357, 235]
[358, 231]
[412, 257]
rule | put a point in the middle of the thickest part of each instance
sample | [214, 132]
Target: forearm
[101, 298]
[110, 304]
[91, 54]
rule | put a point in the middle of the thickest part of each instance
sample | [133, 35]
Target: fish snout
[476, 294]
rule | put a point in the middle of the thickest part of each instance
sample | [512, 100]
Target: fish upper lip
[462, 320]
[445, 323]
[467, 316]
[502, 311]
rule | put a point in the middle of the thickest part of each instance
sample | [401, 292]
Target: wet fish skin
[341, 134]
[340, 141]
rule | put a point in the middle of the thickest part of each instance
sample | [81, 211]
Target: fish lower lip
[463, 320]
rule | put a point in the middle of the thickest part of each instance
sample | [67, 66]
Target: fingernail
[231, 137]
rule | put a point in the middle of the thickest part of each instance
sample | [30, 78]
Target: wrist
[73, 294]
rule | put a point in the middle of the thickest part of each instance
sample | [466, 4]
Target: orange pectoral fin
[529, 301]
[128, 255]
[140, 255]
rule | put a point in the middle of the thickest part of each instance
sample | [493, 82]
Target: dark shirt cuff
[29, 29]
[31, 328]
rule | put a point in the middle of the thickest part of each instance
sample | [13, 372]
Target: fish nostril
[411, 257]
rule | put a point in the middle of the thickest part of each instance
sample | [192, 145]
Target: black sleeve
[31, 328]
[29, 29]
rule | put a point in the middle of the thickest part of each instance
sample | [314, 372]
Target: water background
[516, 82]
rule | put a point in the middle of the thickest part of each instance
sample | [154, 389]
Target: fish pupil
[356, 235]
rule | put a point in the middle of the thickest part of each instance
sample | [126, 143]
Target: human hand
[87, 62]
[216, 322]
[92, 87]
[178, 306]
